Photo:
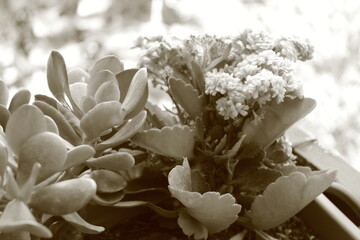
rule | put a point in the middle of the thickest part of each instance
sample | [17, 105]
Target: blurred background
[85, 30]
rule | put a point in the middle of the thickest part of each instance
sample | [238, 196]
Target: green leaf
[58, 81]
[24, 123]
[187, 97]
[65, 129]
[277, 119]
[80, 224]
[205, 213]
[102, 117]
[137, 94]
[4, 93]
[63, 197]
[97, 79]
[285, 197]
[175, 141]
[108, 181]
[116, 161]
[125, 132]
[20, 98]
[110, 63]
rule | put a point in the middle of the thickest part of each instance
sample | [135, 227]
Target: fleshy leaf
[78, 155]
[158, 117]
[126, 131]
[277, 119]
[97, 79]
[20, 98]
[17, 217]
[102, 117]
[79, 223]
[64, 197]
[108, 199]
[51, 125]
[175, 141]
[198, 76]
[137, 94]
[287, 196]
[87, 103]
[66, 131]
[116, 161]
[4, 116]
[188, 97]
[191, 226]
[78, 91]
[124, 79]
[111, 63]
[4, 93]
[78, 75]
[108, 181]
[24, 123]
[45, 148]
[108, 91]
[213, 211]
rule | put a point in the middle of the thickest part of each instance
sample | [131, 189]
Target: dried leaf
[187, 97]
[24, 123]
[80, 224]
[278, 118]
[116, 161]
[110, 63]
[287, 196]
[175, 141]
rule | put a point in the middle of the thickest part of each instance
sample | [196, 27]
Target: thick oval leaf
[108, 91]
[108, 199]
[20, 98]
[124, 79]
[24, 123]
[213, 211]
[80, 224]
[78, 155]
[45, 148]
[102, 117]
[97, 79]
[287, 196]
[111, 63]
[129, 129]
[187, 97]
[51, 125]
[4, 116]
[175, 141]
[64, 197]
[108, 181]
[65, 129]
[78, 75]
[277, 119]
[137, 94]
[78, 91]
[116, 161]
[88, 103]
[4, 93]
[17, 217]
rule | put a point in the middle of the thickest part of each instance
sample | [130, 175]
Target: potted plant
[100, 155]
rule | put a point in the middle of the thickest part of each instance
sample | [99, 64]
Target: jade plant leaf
[175, 141]
[116, 161]
[17, 217]
[97, 79]
[108, 91]
[78, 75]
[125, 132]
[137, 94]
[24, 123]
[187, 96]
[79, 223]
[124, 80]
[111, 63]
[277, 119]
[78, 91]
[78, 155]
[87, 103]
[205, 213]
[63, 197]
[287, 196]
[108, 181]
[51, 125]
[102, 117]
[4, 93]
[20, 98]
[4, 116]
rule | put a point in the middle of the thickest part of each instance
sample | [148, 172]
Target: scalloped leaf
[79, 223]
[137, 94]
[110, 63]
[20, 98]
[125, 132]
[4, 93]
[175, 141]
[277, 119]
[211, 210]
[108, 181]
[97, 79]
[102, 117]
[159, 118]
[287, 196]
[115, 162]
[198, 76]
[108, 91]
[64, 197]
[66, 131]
[24, 123]
[78, 75]
[187, 97]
